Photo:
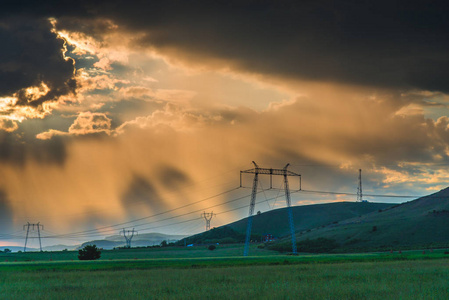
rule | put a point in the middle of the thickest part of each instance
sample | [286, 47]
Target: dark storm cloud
[381, 43]
[16, 149]
[141, 197]
[30, 55]
[172, 177]
[140, 190]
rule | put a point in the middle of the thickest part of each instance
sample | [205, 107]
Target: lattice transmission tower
[29, 226]
[207, 217]
[359, 188]
[128, 235]
[265, 171]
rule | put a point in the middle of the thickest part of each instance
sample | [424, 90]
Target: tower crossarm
[267, 171]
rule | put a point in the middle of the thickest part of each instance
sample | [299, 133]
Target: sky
[117, 111]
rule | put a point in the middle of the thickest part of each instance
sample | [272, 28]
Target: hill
[16, 248]
[220, 235]
[139, 240]
[421, 223]
[275, 222]
[305, 217]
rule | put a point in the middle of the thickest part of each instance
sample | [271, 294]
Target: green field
[198, 273]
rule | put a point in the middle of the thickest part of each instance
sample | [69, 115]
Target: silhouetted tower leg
[289, 210]
[39, 234]
[26, 238]
[251, 209]
[207, 217]
[359, 188]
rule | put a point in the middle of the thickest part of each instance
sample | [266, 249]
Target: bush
[211, 247]
[89, 252]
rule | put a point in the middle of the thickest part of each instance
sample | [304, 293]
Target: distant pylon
[359, 188]
[207, 217]
[28, 225]
[128, 235]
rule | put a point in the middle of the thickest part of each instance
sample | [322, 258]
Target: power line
[172, 194]
[95, 232]
[148, 217]
[220, 213]
[109, 228]
[177, 216]
[354, 194]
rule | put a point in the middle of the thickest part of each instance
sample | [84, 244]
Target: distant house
[268, 238]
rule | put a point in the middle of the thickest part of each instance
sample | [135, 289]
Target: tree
[89, 252]
[7, 250]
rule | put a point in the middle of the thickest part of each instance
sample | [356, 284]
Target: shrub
[211, 247]
[89, 252]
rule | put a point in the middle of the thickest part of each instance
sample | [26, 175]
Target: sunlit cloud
[166, 95]
[85, 123]
[171, 117]
[418, 174]
[8, 125]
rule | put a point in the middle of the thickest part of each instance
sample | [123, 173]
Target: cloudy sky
[125, 110]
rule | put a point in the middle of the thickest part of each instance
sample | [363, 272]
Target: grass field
[202, 274]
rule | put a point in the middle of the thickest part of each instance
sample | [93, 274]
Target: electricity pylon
[28, 225]
[264, 171]
[359, 188]
[207, 217]
[128, 235]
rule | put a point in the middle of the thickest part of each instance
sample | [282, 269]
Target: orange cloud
[85, 123]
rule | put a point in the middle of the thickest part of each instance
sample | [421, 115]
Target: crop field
[203, 274]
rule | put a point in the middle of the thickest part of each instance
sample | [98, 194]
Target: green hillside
[422, 223]
[306, 217]
[275, 222]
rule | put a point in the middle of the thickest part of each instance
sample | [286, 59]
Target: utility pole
[359, 188]
[207, 217]
[28, 225]
[265, 171]
[128, 235]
